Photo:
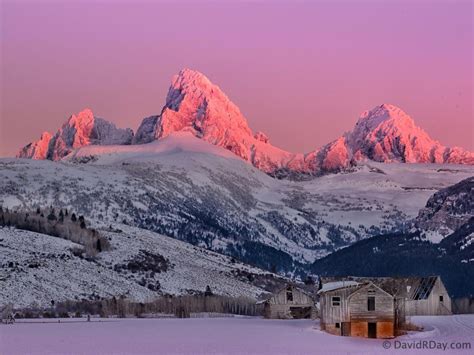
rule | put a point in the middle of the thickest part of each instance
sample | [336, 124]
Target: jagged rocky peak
[79, 130]
[197, 105]
[386, 114]
[36, 150]
[194, 104]
[387, 134]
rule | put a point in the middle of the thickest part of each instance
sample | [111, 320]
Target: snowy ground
[221, 336]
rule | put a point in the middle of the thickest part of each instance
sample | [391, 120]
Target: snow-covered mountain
[197, 106]
[447, 211]
[78, 131]
[387, 134]
[441, 242]
[184, 187]
[141, 265]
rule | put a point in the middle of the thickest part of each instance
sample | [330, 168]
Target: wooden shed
[290, 302]
[351, 308]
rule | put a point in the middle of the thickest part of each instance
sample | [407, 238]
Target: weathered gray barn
[427, 296]
[351, 308]
[290, 302]
[420, 295]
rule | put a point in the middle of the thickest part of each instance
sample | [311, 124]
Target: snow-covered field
[222, 336]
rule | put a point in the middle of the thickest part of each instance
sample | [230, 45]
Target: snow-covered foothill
[37, 268]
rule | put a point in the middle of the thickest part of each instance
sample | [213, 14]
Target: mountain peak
[187, 75]
[79, 130]
[84, 116]
[196, 88]
[388, 134]
[197, 105]
[371, 119]
[194, 104]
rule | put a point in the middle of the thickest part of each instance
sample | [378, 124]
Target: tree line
[173, 306]
[57, 223]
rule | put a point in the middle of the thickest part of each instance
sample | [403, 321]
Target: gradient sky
[301, 72]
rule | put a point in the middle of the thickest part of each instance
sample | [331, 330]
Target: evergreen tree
[52, 216]
[208, 291]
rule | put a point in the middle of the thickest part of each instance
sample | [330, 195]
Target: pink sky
[302, 72]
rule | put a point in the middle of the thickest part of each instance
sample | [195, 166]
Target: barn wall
[334, 314]
[298, 298]
[384, 306]
[331, 329]
[431, 305]
[278, 307]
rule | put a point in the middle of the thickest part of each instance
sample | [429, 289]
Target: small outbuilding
[290, 302]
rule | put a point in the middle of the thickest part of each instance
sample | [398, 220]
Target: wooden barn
[290, 302]
[414, 295]
[351, 308]
[427, 296]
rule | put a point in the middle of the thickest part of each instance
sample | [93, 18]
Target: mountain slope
[79, 130]
[447, 210]
[183, 187]
[418, 253]
[140, 265]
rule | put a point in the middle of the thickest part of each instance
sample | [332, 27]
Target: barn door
[372, 331]
[346, 329]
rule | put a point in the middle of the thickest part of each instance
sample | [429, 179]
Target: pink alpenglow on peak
[387, 134]
[36, 150]
[78, 131]
[196, 105]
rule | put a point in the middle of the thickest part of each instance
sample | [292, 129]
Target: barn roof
[336, 285]
[308, 290]
[415, 288]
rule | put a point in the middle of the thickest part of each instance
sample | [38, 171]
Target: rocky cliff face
[79, 130]
[36, 150]
[447, 210]
[196, 105]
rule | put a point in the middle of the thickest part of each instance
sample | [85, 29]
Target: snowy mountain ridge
[186, 188]
[195, 105]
